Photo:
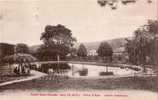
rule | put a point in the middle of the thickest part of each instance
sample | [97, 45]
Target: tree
[105, 51]
[142, 49]
[73, 52]
[152, 46]
[82, 51]
[21, 48]
[46, 53]
[57, 41]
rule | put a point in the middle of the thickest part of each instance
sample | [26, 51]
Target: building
[92, 52]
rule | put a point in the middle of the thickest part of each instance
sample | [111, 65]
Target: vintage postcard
[79, 49]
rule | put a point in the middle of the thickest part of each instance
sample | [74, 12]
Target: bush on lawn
[106, 73]
[83, 72]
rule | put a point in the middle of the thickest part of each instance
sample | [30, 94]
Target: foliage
[72, 55]
[105, 50]
[57, 40]
[45, 53]
[19, 58]
[21, 48]
[142, 49]
[82, 51]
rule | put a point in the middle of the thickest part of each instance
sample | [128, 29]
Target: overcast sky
[24, 20]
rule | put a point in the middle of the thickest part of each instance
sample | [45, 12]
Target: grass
[54, 83]
[6, 78]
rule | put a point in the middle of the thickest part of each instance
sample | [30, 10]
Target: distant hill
[117, 45]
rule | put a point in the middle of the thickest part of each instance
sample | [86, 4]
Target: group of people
[22, 68]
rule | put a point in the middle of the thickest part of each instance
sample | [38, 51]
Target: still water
[94, 70]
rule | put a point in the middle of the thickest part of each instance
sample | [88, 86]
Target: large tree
[142, 49]
[22, 48]
[105, 50]
[82, 51]
[57, 42]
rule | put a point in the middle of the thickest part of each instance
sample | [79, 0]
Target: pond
[94, 71]
[80, 70]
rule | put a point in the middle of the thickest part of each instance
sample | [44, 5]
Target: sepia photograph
[79, 49]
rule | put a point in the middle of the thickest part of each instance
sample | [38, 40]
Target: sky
[23, 21]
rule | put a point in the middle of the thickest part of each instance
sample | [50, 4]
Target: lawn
[6, 74]
[54, 83]
[7, 78]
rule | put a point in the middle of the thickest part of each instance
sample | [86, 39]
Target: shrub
[106, 73]
[83, 72]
